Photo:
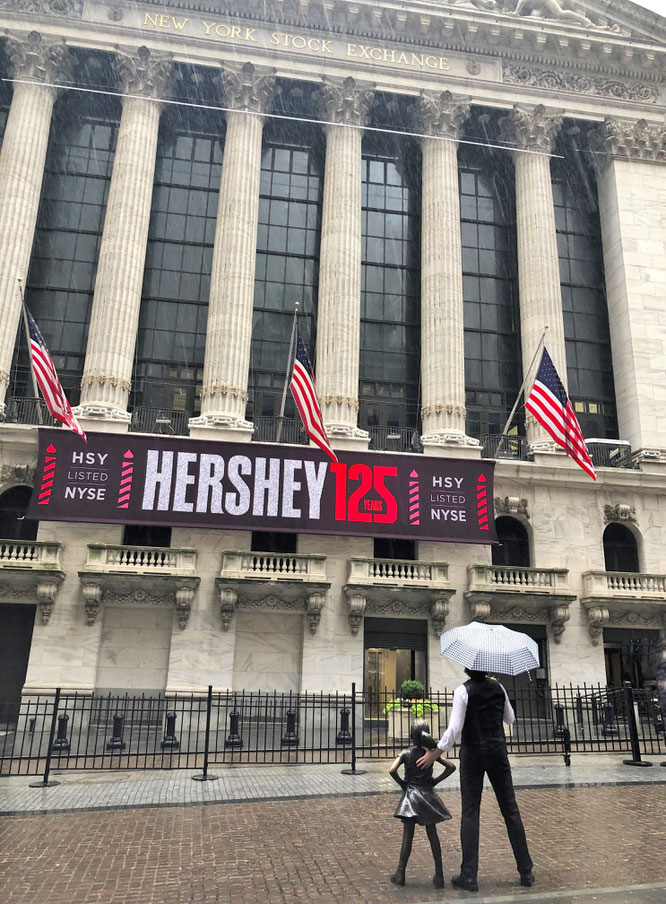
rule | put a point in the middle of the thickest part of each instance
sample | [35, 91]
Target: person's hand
[428, 758]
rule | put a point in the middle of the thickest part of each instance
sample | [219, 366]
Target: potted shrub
[409, 705]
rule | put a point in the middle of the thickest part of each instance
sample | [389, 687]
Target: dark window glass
[620, 549]
[589, 362]
[147, 535]
[492, 323]
[5, 102]
[174, 306]
[13, 523]
[390, 282]
[514, 544]
[394, 548]
[287, 258]
[272, 541]
[63, 267]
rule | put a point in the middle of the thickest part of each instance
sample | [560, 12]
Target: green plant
[411, 697]
[411, 690]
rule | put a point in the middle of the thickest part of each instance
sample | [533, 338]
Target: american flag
[47, 378]
[550, 405]
[305, 395]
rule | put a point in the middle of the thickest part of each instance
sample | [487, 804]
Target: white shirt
[458, 713]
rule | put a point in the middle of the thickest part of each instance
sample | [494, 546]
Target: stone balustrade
[489, 578]
[621, 598]
[33, 554]
[140, 559]
[398, 571]
[268, 566]
[622, 584]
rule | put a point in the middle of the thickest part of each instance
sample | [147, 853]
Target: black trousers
[474, 762]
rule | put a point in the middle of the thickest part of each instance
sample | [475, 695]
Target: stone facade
[193, 624]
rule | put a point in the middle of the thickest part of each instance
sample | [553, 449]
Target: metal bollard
[290, 738]
[566, 742]
[559, 728]
[344, 735]
[116, 742]
[608, 727]
[633, 728]
[170, 740]
[61, 743]
[233, 739]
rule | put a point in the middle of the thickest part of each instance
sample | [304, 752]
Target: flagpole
[35, 389]
[522, 388]
[287, 375]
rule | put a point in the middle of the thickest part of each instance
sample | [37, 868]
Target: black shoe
[438, 881]
[464, 883]
[527, 879]
[398, 877]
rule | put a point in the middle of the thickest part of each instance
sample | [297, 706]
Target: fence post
[353, 770]
[45, 783]
[205, 777]
[633, 728]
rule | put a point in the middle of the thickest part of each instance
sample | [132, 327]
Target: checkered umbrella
[490, 648]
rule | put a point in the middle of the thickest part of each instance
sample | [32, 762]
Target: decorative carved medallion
[247, 87]
[619, 512]
[581, 83]
[511, 505]
[24, 474]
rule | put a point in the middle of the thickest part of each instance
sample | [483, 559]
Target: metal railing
[76, 732]
[610, 453]
[510, 446]
[160, 420]
[26, 410]
[395, 439]
[267, 429]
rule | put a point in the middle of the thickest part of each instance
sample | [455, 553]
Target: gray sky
[657, 6]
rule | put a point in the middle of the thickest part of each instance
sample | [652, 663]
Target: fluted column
[345, 107]
[34, 61]
[534, 130]
[114, 319]
[247, 90]
[440, 116]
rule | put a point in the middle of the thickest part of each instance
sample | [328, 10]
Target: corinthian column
[34, 62]
[247, 92]
[114, 319]
[533, 130]
[345, 107]
[440, 116]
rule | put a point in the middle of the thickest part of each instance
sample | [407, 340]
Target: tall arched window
[13, 523]
[620, 549]
[514, 544]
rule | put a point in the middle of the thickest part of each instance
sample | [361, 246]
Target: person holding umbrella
[480, 706]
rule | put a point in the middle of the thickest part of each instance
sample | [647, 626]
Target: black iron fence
[74, 731]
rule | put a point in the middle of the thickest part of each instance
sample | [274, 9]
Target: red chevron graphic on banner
[482, 502]
[126, 476]
[47, 476]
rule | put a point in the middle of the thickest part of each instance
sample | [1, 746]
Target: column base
[451, 445]
[221, 427]
[347, 437]
[102, 419]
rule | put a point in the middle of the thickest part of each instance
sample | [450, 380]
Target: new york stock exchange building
[433, 183]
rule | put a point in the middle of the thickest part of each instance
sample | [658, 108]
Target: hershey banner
[135, 479]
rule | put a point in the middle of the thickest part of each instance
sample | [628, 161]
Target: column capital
[38, 59]
[440, 114]
[247, 87]
[345, 101]
[634, 140]
[531, 128]
[143, 71]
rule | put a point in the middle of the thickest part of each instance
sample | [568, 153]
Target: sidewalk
[106, 790]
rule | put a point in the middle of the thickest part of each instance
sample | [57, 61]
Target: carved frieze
[345, 101]
[581, 83]
[561, 11]
[143, 72]
[247, 87]
[24, 474]
[38, 59]
[272, 603]
[440, 114]
[531, 128]
[621, 138]
[72, 9]
[619, 512]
